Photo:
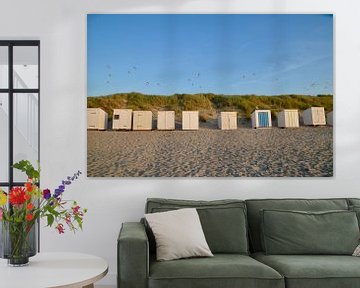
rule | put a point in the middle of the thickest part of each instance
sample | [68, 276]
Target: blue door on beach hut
[263, 119]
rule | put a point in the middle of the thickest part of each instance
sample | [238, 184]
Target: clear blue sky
[264, 54]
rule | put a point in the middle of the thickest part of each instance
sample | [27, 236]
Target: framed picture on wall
[210, 95]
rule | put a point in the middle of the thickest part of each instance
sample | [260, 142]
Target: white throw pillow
[178, 234]
[357, 251]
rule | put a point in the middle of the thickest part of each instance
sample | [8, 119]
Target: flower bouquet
[21, 208]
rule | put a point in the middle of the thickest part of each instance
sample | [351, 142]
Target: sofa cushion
[254, 216]
[222, 270]
[178, 234]
[297, 232]
[353, 201]
[223, 221]
[354, 205]
[313, 271]
[356, 209]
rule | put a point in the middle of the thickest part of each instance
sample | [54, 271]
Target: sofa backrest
[256, 205]
[353, 202]
[224, 222]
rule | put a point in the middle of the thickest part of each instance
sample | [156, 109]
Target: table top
[67, 270]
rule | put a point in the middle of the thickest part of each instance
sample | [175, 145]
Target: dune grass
[208, 104]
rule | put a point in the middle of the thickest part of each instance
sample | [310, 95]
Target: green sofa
[234, 230]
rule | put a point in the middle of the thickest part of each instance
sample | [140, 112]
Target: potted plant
[21, 209]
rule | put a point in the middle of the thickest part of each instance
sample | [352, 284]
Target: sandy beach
[245, 152]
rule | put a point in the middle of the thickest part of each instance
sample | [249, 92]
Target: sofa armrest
[133, 256]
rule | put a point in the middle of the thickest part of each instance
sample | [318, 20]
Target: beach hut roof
[257, 109]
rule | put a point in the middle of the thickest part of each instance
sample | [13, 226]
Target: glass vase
[18, 242]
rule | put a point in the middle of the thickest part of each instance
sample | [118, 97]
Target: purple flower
[68, 181]
[46, 194]
[58, 192]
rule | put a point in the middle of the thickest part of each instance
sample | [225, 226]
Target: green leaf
[52, 211]
[50, 219]
[79, 221]
[28, 168]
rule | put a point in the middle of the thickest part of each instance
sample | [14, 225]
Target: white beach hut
[314, 116]
[288, 118]
[261, 119]
[330, 119]
[122, 119]
[227, 121]
[142, 120]
[97, 119]
[166, 120]
[190, 120]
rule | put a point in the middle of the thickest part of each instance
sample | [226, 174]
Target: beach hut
[97, 119]
[142, 120]
[288, 118]
[261, 119]
[122, 119]
[329, 118]
[314, 116]
[190, 120]
[227, 121]
[166, 120]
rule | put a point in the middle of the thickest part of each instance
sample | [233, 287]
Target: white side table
[50, 270]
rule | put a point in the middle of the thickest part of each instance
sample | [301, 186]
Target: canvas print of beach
[200, 95]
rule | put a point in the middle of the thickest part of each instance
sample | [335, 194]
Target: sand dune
[299, 152]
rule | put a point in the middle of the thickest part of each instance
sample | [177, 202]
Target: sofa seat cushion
[313, 271]
[222, 270]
